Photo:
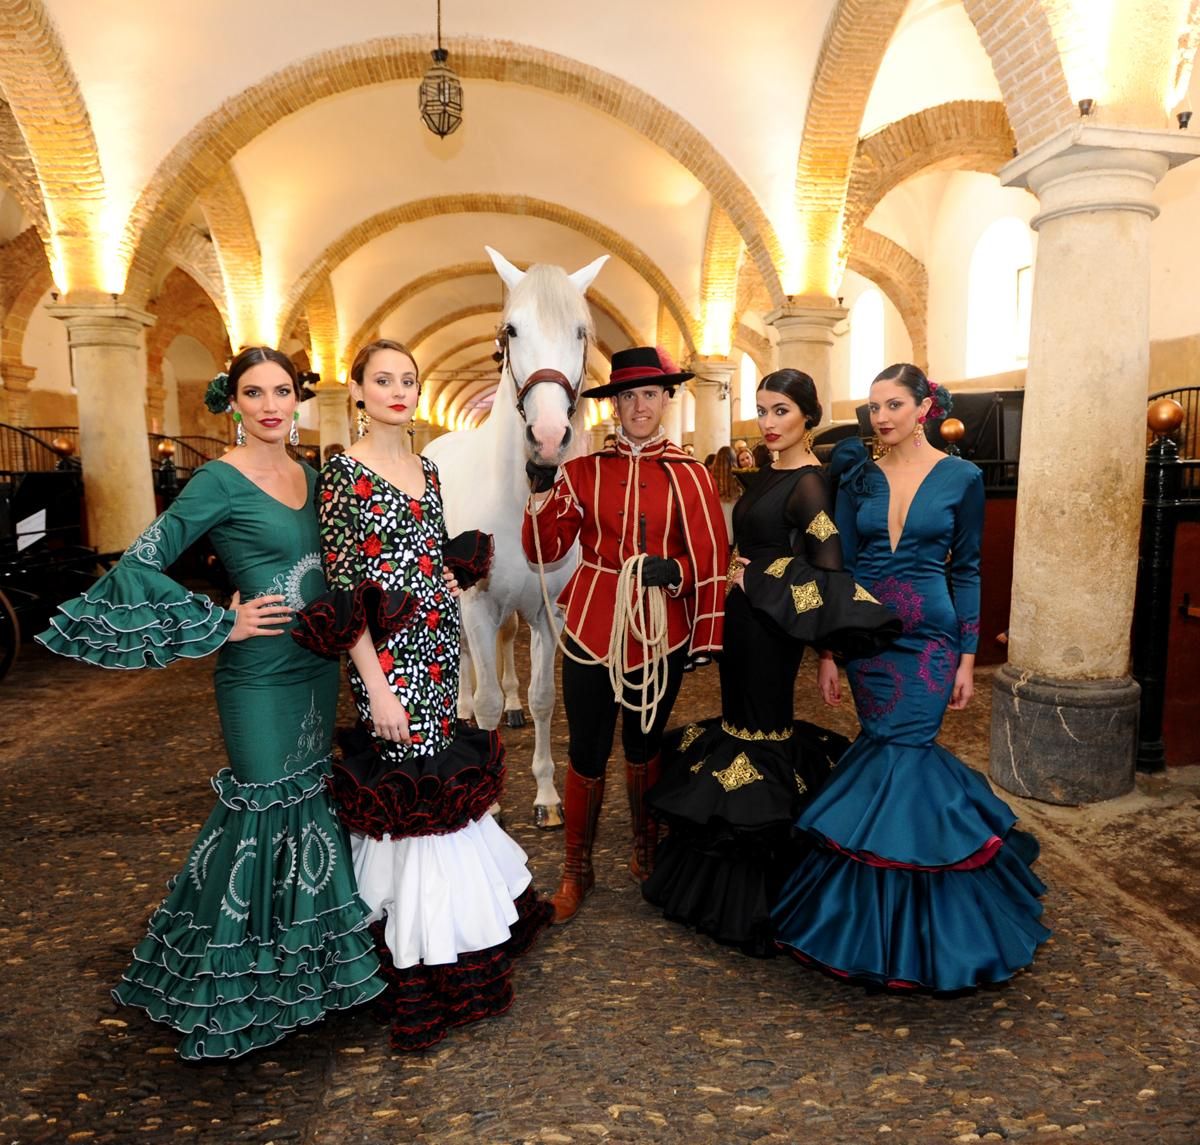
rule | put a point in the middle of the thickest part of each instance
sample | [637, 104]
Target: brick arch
[450, 318]
[902, 278]
[24, 279]
[370, 328]
[236, 245]
[751, 342]
[485, 203]
[18, 174]
[197, 159]
[964, 135]
[193, 253]
[1019, 41]
[41, 90]
[719, 281]
[323, 324]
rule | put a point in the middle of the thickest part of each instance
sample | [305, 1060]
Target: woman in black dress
[732, 787]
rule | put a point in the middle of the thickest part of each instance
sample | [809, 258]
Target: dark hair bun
[798, 386]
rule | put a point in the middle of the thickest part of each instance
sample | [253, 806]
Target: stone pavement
[626, 1028]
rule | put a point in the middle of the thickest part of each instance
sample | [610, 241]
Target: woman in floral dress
[450, 890]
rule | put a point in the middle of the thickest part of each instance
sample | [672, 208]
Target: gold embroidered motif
[690, 734]
[861, 593]
[822, 527]
[735, 566]
[739, 773]
[806, 597]
[697, 765]
[743, 733]
[779, 567]
[801, 786]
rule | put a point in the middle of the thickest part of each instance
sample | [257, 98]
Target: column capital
[796, 323]
[1093, 168]
[716, 371]
[101, 323]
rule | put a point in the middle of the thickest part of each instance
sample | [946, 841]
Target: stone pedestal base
[1063, 741]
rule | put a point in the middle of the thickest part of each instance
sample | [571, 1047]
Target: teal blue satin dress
[263, 929]
[919, 879]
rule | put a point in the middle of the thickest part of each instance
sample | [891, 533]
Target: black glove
[541, 477]
[660, 572]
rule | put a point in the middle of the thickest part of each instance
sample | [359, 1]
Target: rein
[540, 376]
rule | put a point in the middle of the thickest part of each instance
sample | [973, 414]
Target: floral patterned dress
[449, 889]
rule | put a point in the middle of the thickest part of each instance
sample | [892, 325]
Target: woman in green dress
[263, 929]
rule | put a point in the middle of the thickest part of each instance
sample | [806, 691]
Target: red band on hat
[624, 375]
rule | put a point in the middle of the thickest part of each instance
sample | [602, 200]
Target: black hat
[640, 366]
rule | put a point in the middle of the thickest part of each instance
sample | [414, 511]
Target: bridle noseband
[540, 376]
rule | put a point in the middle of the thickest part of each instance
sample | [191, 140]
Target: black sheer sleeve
[809, 511]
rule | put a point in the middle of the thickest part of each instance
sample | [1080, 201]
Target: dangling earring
[294, 433]
[364, 421]
[919, 432]
[879, 448]
[806, 442]
[240, 436]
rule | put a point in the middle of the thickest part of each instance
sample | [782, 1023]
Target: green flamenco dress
[263, 930]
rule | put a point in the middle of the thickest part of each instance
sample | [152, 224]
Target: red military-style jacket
[623, 501]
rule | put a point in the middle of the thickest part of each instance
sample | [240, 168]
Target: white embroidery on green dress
[311, 742]
[287, 584]
[233, 904]
[145, 547]
[318, 858]
[281, 842]
[202, 855]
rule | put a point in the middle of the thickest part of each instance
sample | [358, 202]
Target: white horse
[546, 331]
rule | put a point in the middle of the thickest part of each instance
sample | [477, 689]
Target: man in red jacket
[643, 495]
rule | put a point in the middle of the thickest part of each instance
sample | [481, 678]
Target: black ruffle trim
[425, 795]
[469, 557]
[334, 621]
[423, 1003]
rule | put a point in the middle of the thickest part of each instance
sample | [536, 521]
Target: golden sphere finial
[1164, 416]
[63, 446]
[953, 430]
[166, 448]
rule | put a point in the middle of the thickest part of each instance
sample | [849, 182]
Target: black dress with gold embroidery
[732, 787]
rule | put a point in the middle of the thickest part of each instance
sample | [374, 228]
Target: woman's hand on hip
[262, 616]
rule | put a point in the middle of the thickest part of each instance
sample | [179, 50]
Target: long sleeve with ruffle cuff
[135, 616]
[469, 557]
[822, 607]
[333, 623]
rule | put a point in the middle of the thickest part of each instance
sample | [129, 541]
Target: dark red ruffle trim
[423, 1003]
[435, 795]
[898, 984]
[469, 557]
[334, 621]
[972, 862]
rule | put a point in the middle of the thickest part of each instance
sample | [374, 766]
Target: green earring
[240, 437]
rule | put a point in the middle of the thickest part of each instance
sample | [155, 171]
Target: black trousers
[592, 714]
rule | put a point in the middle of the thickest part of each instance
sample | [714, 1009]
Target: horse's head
[545, 334]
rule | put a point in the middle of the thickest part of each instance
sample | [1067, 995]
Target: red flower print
[445, 727]
[385, 661]
[439, 649]
[415, 508]
[432, 617]
[401, 682]
[326, 494]
[372, 546]
[425, 564]
[330, 558]
[429, 542]
[417, 737]
[378, 510]
[438, 598]
[435, 673]
[386, 566]
[363, 487]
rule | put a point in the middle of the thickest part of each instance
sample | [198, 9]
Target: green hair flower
[216, 397]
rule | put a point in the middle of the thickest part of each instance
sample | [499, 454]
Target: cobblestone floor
[625, 1028]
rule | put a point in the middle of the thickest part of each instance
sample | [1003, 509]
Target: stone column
[673, 418]
[1064, 708]
[17, 377]
[333, 413]
[806, 343]
[105, 341]
[714, 376]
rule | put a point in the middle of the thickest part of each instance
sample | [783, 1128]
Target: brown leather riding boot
[639, 779]
[582, 799]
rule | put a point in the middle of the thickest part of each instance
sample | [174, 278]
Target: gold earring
[919, 432]
[362, 418]
[807, 440]
[879, 448]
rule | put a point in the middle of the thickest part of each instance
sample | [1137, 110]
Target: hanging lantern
[440, 96]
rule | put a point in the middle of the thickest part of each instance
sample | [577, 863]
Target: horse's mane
[555, 298]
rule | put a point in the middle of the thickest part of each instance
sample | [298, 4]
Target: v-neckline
[270, 496]
[916, 493]
[391, 484]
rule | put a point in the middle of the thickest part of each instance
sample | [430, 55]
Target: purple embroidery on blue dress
[903, 599]
[937, 664]
[871, 704]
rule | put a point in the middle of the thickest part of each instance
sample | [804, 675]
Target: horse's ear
[505, 269]
[584, 278]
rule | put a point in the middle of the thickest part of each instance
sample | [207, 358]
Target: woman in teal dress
[263, 929]
[919, 879]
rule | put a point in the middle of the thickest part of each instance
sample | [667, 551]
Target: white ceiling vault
[677, 118]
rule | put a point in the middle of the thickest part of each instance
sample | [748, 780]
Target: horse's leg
[506, 640]
[480, 623]
[547, 807]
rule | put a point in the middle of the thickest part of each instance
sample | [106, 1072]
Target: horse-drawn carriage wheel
[10, 635]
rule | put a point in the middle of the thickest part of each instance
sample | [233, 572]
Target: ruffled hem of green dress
[284, 792]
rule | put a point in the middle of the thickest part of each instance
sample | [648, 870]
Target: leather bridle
[539, 376]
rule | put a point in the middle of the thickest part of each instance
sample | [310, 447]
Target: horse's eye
[510, 330]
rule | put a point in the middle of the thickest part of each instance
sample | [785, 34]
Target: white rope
[640, 613]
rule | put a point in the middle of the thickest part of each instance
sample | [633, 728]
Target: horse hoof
[547, 818]
[514, 719]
